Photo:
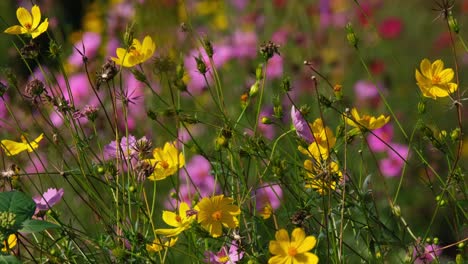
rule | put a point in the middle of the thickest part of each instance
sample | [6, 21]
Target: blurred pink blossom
[431, 252]
[234, 255]
[48, 199]
[384, 134]
[390, 28]
[393, 164]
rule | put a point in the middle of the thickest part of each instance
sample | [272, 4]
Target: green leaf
[15, 208]
[33, 226]
[9, 259]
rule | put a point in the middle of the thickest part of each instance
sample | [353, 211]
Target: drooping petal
[36, 16]
[24, 17]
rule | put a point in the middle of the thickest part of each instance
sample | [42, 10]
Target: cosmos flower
[435, 81]
[369, 122]
[300, 124]
[9, 243]
[215, 212]
[30, 22]
[231, 256]
[13, 148]
[322, 176]
[427, 255]
[161, 244]
[48, 199]
[180, 221]
[294, 250]
[166, 161]
[137, 53]
[268, 199]
[324, 140]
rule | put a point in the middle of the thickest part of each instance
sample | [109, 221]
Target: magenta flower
[126, 148]
[244, 44]
[197, 170]
[224, 256]
[390, 28]
[381, 135]
[268, 199]
[300, 124]
[274, 67]
[48, 199]
[431, 252]
[392, 165]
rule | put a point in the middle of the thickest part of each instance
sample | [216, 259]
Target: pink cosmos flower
[431, 252]
[274, 67]
[48, 199]
[381, 135]
[268, 199]
[244, 44]
[392, 165]
[223, 256]
[301, 126]
[390, 28]
[126, 148]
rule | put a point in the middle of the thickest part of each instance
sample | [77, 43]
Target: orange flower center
[292, 251]
[134, 52]
[217, 215]
[436, 79]
[224, 259]
[164, 164]
[28, 26]
[178, 218]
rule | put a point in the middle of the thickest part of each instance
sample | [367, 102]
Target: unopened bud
[455, 134]
[351, 36]
[442, 135]
[286, 84]
[208, 48]
[436, 240]
[201, 66]
[421, 107]
[259, 72]
[266, 120]
[337, 90]
[453, 23]
[254, 89]
[396, 210]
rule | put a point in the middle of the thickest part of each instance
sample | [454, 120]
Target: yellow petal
[426, 68]
[169, 232]
[36, 16]
[280, 259]
[308, 258]
[446, 75]
[437, 67]
[276, 249]
[297, 236]
[41, 29]
[24, 17]
[16, 30]
[307, 244]
[282, 235]
[170, 218]
[12, 147]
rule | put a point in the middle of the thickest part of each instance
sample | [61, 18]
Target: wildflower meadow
[237, 131]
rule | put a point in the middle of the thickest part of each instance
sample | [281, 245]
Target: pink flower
[431, 252]
[126, 149]
[301, 126]
[274, 67]
[48, 199]
[392, 165]
[390, 28]
[379, 136]
[244, 44]
[224, 256]
[268, 199]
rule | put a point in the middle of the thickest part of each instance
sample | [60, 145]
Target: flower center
[292, 251]
[436, 79]
[28, 26]
[178, 218]
[224, 259]
[217, 215]
[164, 164]
[134, 52]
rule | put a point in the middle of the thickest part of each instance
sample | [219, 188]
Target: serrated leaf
[33, 226]
[18, 205]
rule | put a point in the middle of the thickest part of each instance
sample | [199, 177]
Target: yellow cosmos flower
[216, 212]
[136, 54]
[180, 221]
[435, 81]
[322, 176]
[13, 148]
[161, 244]
[369, 122]
[324, 140]
[9, 243]
[29, 22]
[166, 162]
[294, 251]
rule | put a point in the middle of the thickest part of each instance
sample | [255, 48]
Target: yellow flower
[434, 80]
[266, 211]
[29, 22]
[11, 242]
[369, 122]
[136, 54]
[322, 176]
[180, 221]
[216, 212]
[160, 244]
[13, 148]
[294, 251]
[166, 162]
[324, 140]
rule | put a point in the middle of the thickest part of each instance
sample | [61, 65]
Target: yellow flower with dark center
[161, 244]
[369, 122]
[180, 221]
[166, 162]
[294, 250]
[30, 22]
[137, 53]
[324, 140]
[9, 243]
[322, 176]
[13, 148]
[216, 212]
[435, 81]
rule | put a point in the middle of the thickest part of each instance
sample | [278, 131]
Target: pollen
[436, 79]
[292, 251]
[217, 215]
[164, 164]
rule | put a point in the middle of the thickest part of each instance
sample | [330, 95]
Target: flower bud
[455, 134]
[201, 65]
[396, 210]
[254, 89]
[436, 240]
[208, 48]
[286, 84]
[351, 36]
[259, 72]
[453, 23]
[266, 120]
[337, 90]
[421, 108]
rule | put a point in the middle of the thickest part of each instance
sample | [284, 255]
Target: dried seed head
[106, 73]
[143, 147]
[144, 169]
[268, 50]
[36, 92]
